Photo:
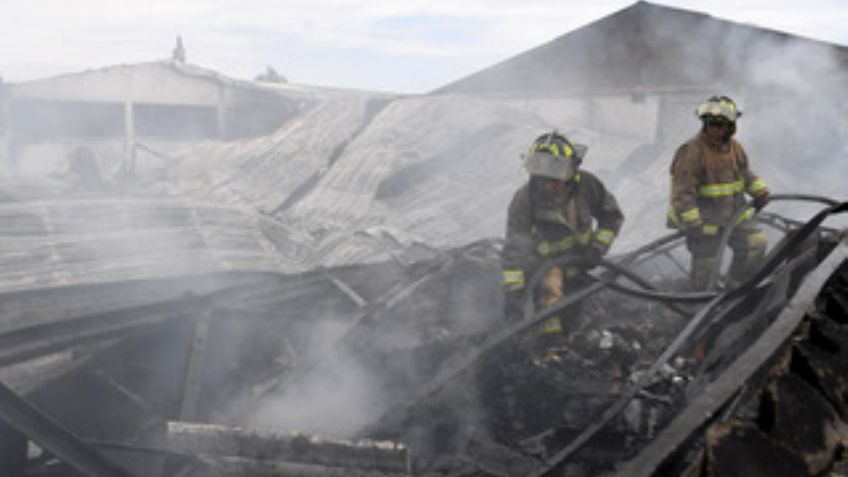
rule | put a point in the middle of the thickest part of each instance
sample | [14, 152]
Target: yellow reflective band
[567, 151]
[547, 248]
[721, 190]
[757, 186]
[672, 216]
[692, 215]
[513, 277]
[604, 236]
[558, 246]
[551, 325]
[710, 230]
[749, 212]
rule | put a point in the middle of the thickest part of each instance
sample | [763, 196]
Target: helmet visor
[545, 164]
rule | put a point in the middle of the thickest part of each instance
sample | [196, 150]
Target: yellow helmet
[553, 155]
[719, 106]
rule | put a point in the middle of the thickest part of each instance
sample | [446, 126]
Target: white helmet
[553, 155]
[719, 106]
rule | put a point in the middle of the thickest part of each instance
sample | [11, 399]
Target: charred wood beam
[26, 344]
[348, 291]
[46, 338]
[497, 459]
[194, 367]
[240, 466]
[130, 396]
[30, 375]
[41, 429]
[13, 451]
[708, 402]
[287, 448]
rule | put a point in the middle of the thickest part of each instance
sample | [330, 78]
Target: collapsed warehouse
[157, 376]
[317, 293]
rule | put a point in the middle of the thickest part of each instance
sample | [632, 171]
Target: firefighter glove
[760, 200]
[591, 258]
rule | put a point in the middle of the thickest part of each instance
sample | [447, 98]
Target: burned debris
[649, 381]
[213, 277]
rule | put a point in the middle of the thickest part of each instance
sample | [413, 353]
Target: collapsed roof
[338, 277]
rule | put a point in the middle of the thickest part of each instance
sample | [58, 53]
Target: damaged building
[133, 105]
[284, 280]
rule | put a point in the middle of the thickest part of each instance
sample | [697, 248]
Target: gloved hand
[592, 257]
[695, 232]
[760, 200]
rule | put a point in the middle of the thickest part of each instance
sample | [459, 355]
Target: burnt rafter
[21, 415]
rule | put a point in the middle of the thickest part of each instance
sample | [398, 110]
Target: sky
[402, 46]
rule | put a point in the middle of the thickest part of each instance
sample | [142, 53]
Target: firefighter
[710, 175]
[561, 210]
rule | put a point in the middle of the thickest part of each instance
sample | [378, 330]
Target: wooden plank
[278, 446]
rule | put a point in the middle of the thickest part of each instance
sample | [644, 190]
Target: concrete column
[129, 137]
[5, 125]
[222, 112]
[4, 109]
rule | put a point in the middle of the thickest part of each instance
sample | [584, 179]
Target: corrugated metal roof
[77, 242]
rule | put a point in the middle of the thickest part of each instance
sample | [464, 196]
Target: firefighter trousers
[748, 244]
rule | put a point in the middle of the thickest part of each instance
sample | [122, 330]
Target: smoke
[335, 398]
[441, 169]
[647, 69]
[344, 377]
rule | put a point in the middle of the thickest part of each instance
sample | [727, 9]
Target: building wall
[627, 114]
[151, 83]
[142, 102]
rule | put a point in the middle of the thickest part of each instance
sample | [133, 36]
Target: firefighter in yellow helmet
[710, 176]
[560, 210]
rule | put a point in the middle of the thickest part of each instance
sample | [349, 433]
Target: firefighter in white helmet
[710, 176]
[560, 210]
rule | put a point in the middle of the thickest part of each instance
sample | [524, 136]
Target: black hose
[505, 334]
[797, 238]
[649, 291]
[731, 224]
[629, 258]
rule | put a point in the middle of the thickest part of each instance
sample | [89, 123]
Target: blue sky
[406, 46]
